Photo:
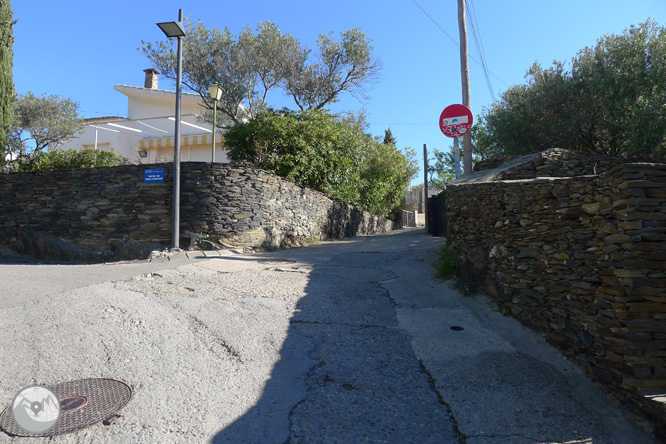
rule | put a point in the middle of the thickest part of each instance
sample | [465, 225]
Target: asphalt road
[342, 342]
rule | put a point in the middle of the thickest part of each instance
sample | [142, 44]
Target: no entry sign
[455, 120]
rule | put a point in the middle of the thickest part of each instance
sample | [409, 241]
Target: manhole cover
[276, 261]
[82, 403]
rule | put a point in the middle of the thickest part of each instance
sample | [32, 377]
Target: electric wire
[479, 47]
[453, 40]
[476, 23]
[476, 33]
[435, 22]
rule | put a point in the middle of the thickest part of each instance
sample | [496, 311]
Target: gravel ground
[345, 342]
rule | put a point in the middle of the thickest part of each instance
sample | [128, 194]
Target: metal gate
[437, 215]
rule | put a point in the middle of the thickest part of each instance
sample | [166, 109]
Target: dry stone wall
[558, 162]
[582, 260]
[555, 162]
[240, 206]
[111, 212]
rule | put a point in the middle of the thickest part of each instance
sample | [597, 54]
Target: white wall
[150, 119]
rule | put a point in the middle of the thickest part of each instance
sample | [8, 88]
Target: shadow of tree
[346, 373]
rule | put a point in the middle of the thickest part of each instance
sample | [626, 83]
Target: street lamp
[175, 29]
[215, 91]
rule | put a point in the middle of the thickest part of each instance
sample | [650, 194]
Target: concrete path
[342, 342]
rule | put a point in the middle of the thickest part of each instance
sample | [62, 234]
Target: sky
[79, 50]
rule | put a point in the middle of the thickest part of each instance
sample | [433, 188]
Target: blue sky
[81, 49]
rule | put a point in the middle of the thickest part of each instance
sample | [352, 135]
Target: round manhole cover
[276, 261]
[82, 403]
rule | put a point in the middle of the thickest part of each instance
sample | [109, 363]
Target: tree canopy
[250, 65]
[46, 121]
[610, 101]
[316, 149]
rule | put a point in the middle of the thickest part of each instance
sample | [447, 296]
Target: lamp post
[215, 91]
[175, 29]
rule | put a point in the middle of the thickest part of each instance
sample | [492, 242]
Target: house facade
[146, 135]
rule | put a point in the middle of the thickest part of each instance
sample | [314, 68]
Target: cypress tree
[7, 94]
[389, 139]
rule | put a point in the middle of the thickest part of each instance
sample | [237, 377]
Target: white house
[147, 134]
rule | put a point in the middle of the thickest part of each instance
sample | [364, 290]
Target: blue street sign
[153, 175]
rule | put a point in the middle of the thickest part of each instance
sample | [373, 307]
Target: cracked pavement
[341, 342]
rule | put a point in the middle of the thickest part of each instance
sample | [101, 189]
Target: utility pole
[464, 71]
[425, 186]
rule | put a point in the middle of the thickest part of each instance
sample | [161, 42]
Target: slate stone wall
[555, 162]
[240, 206]
[558, 162]
[111, 212]
[580, 259]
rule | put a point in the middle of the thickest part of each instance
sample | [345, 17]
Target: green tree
[484, 146]
[389, 139]
[249, 66]
[61, 160]
[7, 94]
[441, 169]
[333, 155]
[620, 87]
[610, 102]
[42, 122]
[385, 176]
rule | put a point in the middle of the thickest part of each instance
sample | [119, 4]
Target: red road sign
[455, 120]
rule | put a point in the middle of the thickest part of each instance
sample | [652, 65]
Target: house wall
[580, 259]
[160, 104]
[112, 211]
[128, 144]
[187, 154]
[148, 112]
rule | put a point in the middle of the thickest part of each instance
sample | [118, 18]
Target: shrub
[318, 150]
[62, 160]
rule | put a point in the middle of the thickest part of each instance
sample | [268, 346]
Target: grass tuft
[446, 262]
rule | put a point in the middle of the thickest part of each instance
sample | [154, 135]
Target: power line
[476, 32]
[400, 123]
[436, 24]
[453, 40]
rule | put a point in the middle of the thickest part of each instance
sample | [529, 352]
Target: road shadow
[346, 372]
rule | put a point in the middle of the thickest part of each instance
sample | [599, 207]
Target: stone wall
[110, 212]
[494, 162]
[580, 259]
[240, 206]
[555, 162]
[558, 162]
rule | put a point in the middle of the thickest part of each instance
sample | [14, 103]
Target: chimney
[151, 78]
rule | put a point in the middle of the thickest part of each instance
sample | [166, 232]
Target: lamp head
[172, 29]
[215, 91]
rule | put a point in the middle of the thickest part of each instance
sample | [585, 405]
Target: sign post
[425, 185]
[456, 156]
